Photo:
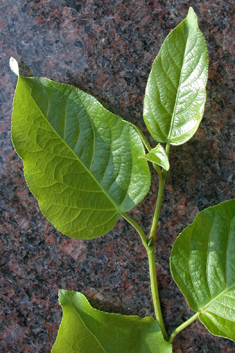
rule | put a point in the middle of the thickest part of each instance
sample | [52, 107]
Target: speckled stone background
[107, 48]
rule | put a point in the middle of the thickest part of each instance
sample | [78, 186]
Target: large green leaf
[84, 330]
[203, 266]
[80, 160]
[175, 94]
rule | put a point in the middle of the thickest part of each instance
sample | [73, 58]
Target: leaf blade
[202, 265]
[158, 156]
[175, 93]
[80, 160]
[104, 332]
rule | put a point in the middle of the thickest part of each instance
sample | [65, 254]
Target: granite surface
[107, 48]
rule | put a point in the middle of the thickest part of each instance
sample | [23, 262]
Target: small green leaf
[176, 90]
[80, 160]
[84, 330]
[158, 156]
[203, 266]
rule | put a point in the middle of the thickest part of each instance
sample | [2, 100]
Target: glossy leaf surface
[84, 329]
[80, 160]
[176, 89]
[158, 156]
[203, 266]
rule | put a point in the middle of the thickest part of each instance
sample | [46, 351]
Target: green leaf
[158, 156]
[80, 160]
[203, 266]
[84, 329]
[176, 89]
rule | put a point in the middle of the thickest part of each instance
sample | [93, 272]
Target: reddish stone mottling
[107, 49]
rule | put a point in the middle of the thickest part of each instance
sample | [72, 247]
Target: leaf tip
[192, 15]
[14, 66]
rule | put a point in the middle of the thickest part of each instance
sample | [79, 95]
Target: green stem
[152, 273]
[149, 246]
[158, 169]
[153, 231]
[162, 174]
[167, 149]
[154, 290]
[137, 228]
[183, 326]
[143, 138]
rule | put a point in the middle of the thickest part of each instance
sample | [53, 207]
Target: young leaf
[158, 156]
[175, 93]
[80, 160]
[203, 266]
[84, 329]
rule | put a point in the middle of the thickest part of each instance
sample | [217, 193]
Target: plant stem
[152, 274]
[153, 231]
[154, 290]
[158, 169]
[150, 245]
[137, 228]
[183, 326]
[167, 149]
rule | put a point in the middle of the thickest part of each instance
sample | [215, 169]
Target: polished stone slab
[107, 49]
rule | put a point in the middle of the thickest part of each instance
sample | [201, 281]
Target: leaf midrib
[227, 288]
[76, 157]
[201, 310]
[177, 96]
[77, 313]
